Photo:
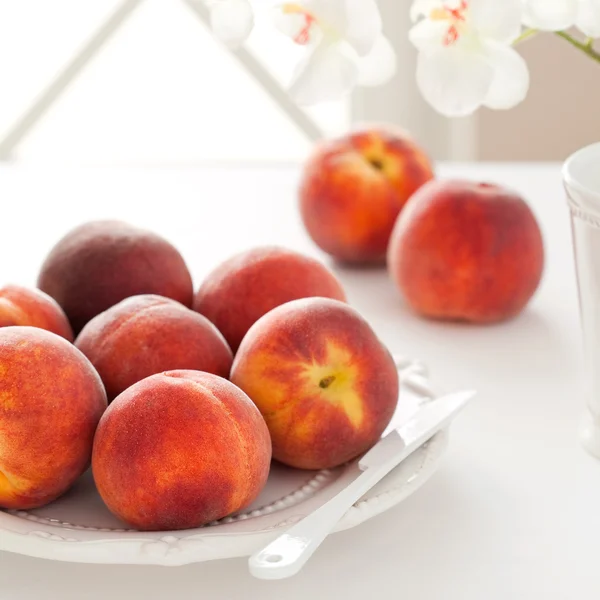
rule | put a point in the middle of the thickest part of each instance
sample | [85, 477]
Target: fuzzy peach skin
[144, 335]
[101, 263]
[353, 189]
[51, 400]
[324, 383]
[31, 307]
[180, 449]
[466, 251]
[247, 286]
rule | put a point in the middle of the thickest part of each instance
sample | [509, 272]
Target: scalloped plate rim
[176, 549]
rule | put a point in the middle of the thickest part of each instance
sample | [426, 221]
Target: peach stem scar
[326, 382]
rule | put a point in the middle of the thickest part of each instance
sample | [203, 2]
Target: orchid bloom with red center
[557, 15]
[345, 47]
[466, 56]
[455, 17]
[466, 59]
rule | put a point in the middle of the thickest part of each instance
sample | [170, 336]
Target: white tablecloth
[514, 512]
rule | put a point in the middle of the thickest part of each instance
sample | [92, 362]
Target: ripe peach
[180, 449]
[324, 383]
[466, 251]
[24, 306]
[144, 335]
[51, 400]
[247, 286]
[101, 263]
[353, 189]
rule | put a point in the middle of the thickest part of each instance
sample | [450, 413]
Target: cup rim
[569, 178]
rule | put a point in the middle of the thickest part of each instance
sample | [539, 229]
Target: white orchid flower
[465, 56]
[345, 47]
[231, 21]
[556, 15]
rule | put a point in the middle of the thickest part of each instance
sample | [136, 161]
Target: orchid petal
[588, 18]
[511, 77]
[363, 25]
[497, 20]
[327, 74]
[428, 35]
[422, 8]
[331, 14]
[232, 21]
[379, 66]
[454, 81]
[550, 15]
[297, 22]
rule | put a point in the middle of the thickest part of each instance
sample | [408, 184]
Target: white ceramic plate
[79, 528]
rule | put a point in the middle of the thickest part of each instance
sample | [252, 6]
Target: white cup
[581, 174]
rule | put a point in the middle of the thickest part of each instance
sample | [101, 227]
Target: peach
[247, 286]
[180, 449]
[31, 307]
[101, 263]
[144, 335]
[466, 251]
[353, 189]
[324, 383]
[51, 400]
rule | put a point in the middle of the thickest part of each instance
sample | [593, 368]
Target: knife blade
[403, 441]
[286, 555]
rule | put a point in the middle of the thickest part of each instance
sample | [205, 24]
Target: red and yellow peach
[466, 251]
[247, 286]
[180, 449]
[51, 400]
[144, 335]
[324, 383]
[31, 307]
[354, 187]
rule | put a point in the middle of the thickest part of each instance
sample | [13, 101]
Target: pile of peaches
[180, 399]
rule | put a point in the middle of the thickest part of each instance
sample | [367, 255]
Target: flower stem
[525, 36]
[586, 47]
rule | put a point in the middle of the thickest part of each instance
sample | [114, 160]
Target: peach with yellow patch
[33, 308]
[353, 189]
[51, 400]
[180, 449]
[325, 384]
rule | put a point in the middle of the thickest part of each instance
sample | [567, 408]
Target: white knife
[286, 555]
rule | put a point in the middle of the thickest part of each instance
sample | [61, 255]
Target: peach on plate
[325, 384]
[467, 251]
[250, 284]
[101, 263]
[144, 335]
[354, 187]
[51, 400]
[180, 449]
[31, 307]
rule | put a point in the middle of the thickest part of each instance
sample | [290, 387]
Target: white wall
[561, 113]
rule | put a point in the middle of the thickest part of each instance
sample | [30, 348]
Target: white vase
[581, 176]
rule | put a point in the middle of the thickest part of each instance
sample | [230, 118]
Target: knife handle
[287, 554]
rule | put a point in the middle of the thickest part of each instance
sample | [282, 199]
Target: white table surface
[514, 512]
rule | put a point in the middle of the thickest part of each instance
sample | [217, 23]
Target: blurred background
[121, 82]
